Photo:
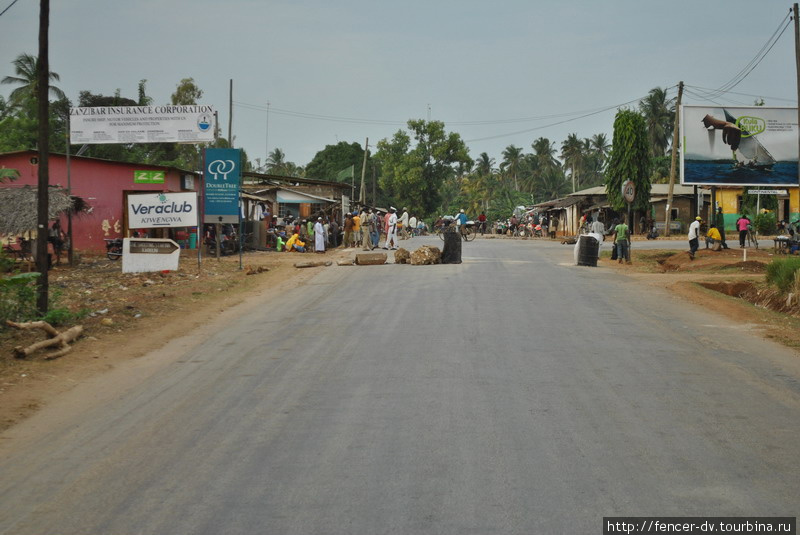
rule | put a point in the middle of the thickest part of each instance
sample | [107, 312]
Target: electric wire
[9, 7]
[753, 63]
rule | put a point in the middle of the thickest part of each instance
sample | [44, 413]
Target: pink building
[104, 185]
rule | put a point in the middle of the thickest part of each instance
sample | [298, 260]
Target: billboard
[739, 146]
[221, 178]
[155, 210]
[141, 124]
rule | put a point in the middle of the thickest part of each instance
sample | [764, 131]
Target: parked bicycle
[467, 230]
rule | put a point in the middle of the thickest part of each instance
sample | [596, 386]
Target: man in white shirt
[391, 230]
[403, 219]
[694, 236]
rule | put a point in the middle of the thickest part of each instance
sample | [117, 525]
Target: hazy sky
[345, 70]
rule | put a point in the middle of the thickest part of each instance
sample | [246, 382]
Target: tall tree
[328, 162]
[512, 162]
[413, 175]
[659, 115]
[25, 68]
[572, 155]
[187, 93]
[630, 160]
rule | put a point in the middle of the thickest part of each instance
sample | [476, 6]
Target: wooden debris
[401, 256]
[370, 259]
[344, 262]
[56, 339]
[312, 264]
[255, 271]
[426, 255]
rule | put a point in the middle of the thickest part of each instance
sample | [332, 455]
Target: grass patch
[782, 273]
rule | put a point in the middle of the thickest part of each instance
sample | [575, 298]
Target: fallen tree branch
[61, 340]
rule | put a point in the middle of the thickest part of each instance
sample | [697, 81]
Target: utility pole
[797, 66]
[266, 159]
[42, 92]
[362, 197]
[674, 164]
[230, 115]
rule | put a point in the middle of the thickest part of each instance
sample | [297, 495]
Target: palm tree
[659, 115]
[512, 160]
[276, 163]
[25, 67]
[572, 154]
[545, 152]
[601, 147]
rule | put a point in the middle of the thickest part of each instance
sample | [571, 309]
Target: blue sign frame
[222, 178]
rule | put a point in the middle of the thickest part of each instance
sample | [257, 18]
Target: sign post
[629, 194]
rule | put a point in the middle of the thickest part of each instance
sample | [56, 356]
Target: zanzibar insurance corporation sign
[141, 124]
[221, 182]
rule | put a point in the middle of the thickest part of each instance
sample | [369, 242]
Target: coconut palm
[600, 146]
[572, 155]
[545, 152]
[659, 116]
[25, 67]
[512, 161]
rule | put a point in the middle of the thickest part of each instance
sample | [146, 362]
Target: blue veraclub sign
[221, 180]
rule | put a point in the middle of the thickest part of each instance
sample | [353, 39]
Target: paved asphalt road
[514, 393]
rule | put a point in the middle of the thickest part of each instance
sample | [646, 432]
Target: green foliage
[187, 93]
[6, 263]
[18, 297]
[331, 160]
[782, 273]
[765, 223]
[630, 160]
[413, 176]
[751, 203]
[659, 115]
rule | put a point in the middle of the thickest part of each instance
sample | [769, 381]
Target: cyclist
[461, 218]
[482, 222]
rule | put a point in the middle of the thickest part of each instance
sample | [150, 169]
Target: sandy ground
[133, 315]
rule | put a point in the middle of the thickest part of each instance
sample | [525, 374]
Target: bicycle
[467, 231]
[752, 238]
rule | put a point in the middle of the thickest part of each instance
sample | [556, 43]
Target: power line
[9, 7]
[753, 63]
[706, 89]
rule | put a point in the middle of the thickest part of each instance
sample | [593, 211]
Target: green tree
[25, 69]
[630, 160]
[413, 175]
[572, 155]
[328, 162]
[187, 93]
[659, 115]
[512, 163]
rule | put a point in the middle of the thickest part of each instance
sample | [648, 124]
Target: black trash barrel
[451, 252]
[588, 250]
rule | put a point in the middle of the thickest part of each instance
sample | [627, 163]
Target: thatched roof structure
[18, 207]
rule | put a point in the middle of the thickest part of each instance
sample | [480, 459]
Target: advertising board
[221, 184]
[141, 124]
[156, 210]
[744, 146]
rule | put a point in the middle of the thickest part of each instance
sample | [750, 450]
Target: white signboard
[767, 192]
[154, 210]
[141, 124]
[152, 254]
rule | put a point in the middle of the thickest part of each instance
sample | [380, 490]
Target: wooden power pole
[362, 197]
[674, 164]
[797, 66]
[43, 205]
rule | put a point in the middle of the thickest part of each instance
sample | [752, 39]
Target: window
[673, 214]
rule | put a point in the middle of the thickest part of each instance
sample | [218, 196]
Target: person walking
[622, 242]
[742, 225]
[694, 236]
[391, 229]
[319, 236]
[402, 224]
[367, 227]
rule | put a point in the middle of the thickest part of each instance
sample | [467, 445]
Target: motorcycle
[113, 248]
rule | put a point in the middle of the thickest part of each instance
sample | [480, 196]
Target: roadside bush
[784, 273]
[765, 223]
[6, 263]
[18, 297]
